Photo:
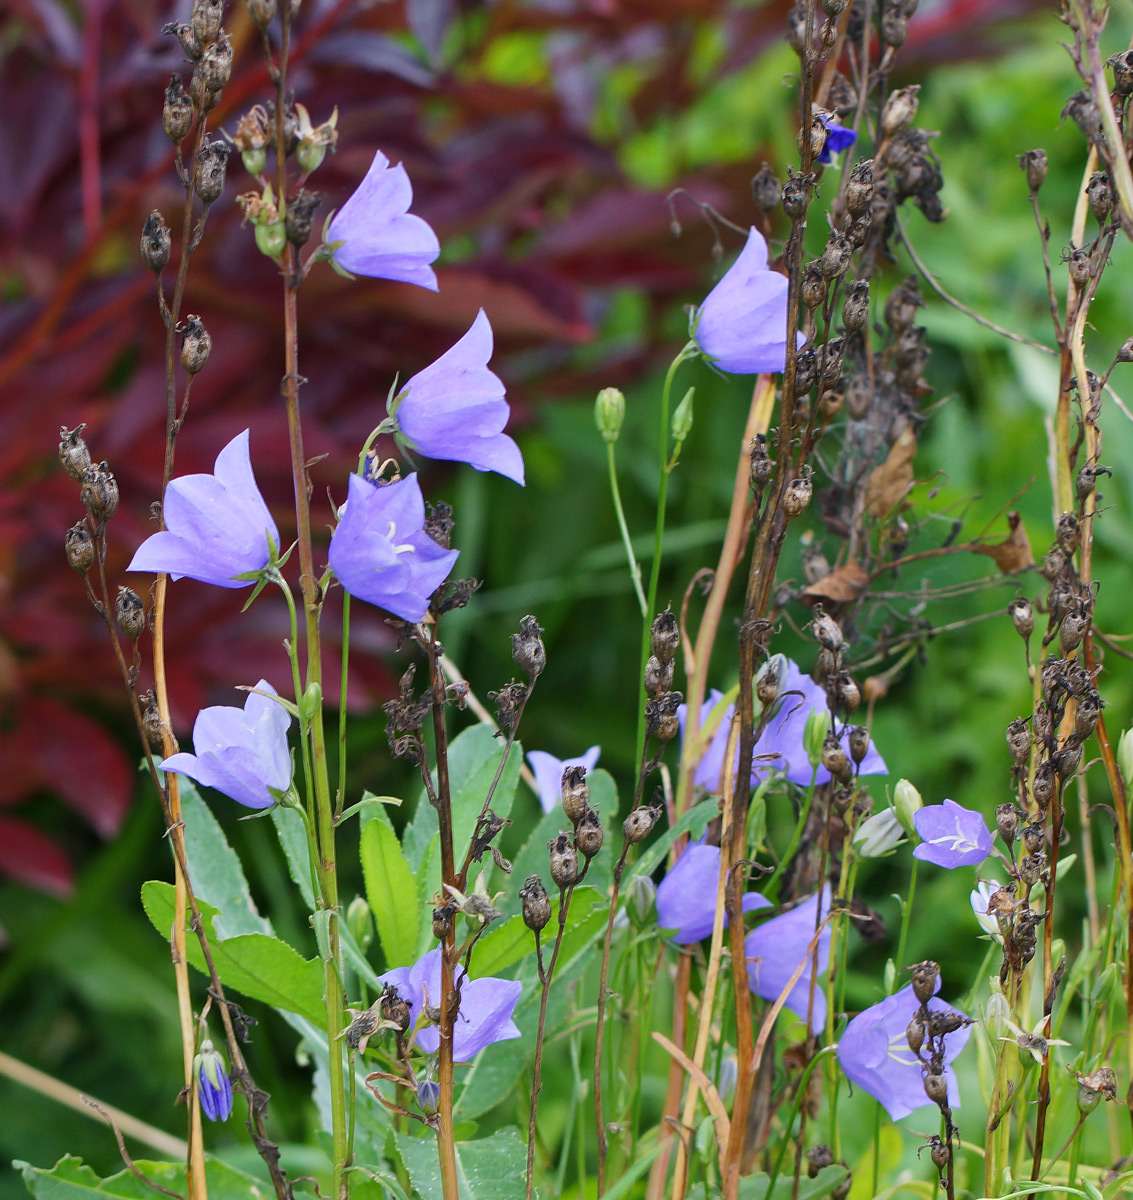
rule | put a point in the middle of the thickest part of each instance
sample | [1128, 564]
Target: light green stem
[906, 913]
[340, 799]
[634, 568]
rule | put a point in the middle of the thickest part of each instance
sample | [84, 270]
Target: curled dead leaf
[842, 586]
[1014, 553]
[890, 482]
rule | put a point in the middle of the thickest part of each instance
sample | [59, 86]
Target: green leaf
[428, 884]
[755, 1187]
[491, 1168]
[473, 758]
[293, 838]
[391, 891]
[71, 1179]
[258, 965]
[215, 868]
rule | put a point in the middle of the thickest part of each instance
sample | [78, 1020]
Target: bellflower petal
[875, 1055]
[775, 949]
[686, 897]
[780, 747]
[455, 408]
[486, 1006]
[217, 526]
[381, 237]
[742, 324]
[549, 773]
[838, 138]
[380, 551]
[213, 1084]
[953, 836]
[240, 751]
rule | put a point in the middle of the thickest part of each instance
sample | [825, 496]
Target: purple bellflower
[213, 1085]
[380, 551]
[686, 897]
[549, 773]
[775, 949]
[875, 1055]
[379, 236]
[838, 138]
[486, 1006]
[217, 526]
[952, 836]
[742, 324]
[799, 695]
[455, 408]
[241, 752]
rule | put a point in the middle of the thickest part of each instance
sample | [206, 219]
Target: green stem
[297, 681]
[906, 913]
[800, 1091]
[634, 568]
[687, 351]
[340, 799]
[771, 888]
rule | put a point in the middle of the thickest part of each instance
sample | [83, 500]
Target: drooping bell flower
[686, 897]
[241, 752]
[213, 1085]
[375, 234]
[217, 526]
[775, 949]
[380, 551]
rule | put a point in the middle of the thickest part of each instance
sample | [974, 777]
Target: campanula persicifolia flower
[875, 1056]
[742, 324]
[380, 237]
[775, 949]
[686, 897]
[380, 551]
[241, 752]
[486, 1006]
[781, 746]
[549, 773]
[213, 1085]
[952, 836]
[455, 408]
[838, 138]
[217, 526]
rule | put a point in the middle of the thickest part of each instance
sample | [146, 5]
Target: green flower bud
[360, 922]
[310, 156]
[817, 727]
[682, 418]
[906, 801]
[1125, 757]
[609, 413]
[879, 834]
[641, 901]
[271, 239]
[310, 702]
[254, 161]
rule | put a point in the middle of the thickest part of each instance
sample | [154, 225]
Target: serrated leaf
[71, 1179]
[487, 1169]
[257, 965]
[391, 891]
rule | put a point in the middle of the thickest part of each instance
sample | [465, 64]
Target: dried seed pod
[664, 636]
[177, 112]
[211, 172]
[900, 108]
[1079, 264]
[847, 694]
[940, 1153]
[765, 188]
[1031, 868]
[661, 720]
[798, 493]
[1122, 64]
[1018, 741]
[215, 68]
[188, 39]
[826, 630]
[589, 834]
[855, 309]
[575, 793]
[835, 256]
[151, 723]
[762, 467]
[156, 242]
[796, 194]
[564, 861]
[1099, 191]
[901, 307]
[658, 676]
[261, 11]
[1087, 714]
[1076, 622]
[204, 19]
[769, 680]
[859, 743]
[817, 1158]
[835, 759]
[925, 975]
[536, 903]
[914, 1033]
[1068, 761]
[1034, 164]
[196, 345]
[73, 452]
[79, 546]
[394, 1009]
[806, 372]
[859, 188]
[936, 1088]
[130, 613]
[942, 1023]
[1022, 616]
[639, 824]
[1042, 786]
[297, 221]
[1007, 821]
[527, 648]
[100, 492]
[1068, 533]
[813, 286]
[443, 921]
[893, 27]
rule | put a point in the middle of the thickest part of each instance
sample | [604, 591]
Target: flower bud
[589, 834]
[196, 345]
[925, 975]
[814, 734]
[798, 493]
[214, 1088]
[536, 903]
[564, 861]
[1125, 757]
[906, 801]
[130, 613]
[215, 67]
[73, 452]
[527, 648]
[100, 492]
[212, 166]
[682, 417]
[899, 111]
[609, 413]
[177, 112]
[639, 824]
[79, 546]
[360, 922]
[765, 188]
[641, 901]
[428, 1096]
[204, 20]
[576, 794]
[877, 835]
[156, 242]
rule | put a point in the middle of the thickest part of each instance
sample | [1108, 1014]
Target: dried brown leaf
[842, 586]
[890, 482]
[1014, 553]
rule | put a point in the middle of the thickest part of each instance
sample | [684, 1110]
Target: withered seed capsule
[156, 242]
[196, 345]
[914, 1033]
[1018, 741]
[765, 188]
[798, 493]
[859, 188]
[855, 310]
[575, 794]
[762, 467]
[130, 613]
[212, 168]
[527, 648]
[1034, 164]
[536, 903]
[899, 111]
[835, 759]
[216, 65]
[73, 452]
[859, 743]
[564, 861]
[925, 975]
[177, 112]
[204, 19]
[1023, 617]
[100, 492]
[639, 824]
[1007, 822]
[79, 546]
[664, 637]
[589, 834]
[936, 1088]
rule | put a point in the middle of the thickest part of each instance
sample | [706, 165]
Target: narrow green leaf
[391, 891]
[293, 838]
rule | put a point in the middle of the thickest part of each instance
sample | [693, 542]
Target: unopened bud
[564, 861]
[639, 824]
[609, 413]
[641, 901]
[79, 546]
[428, 1096]
[589, 834]
[879, 834]
[575, 793]
[682, 417]
[527, 648]
[100, 492]
[814, 734]
[360, 922]
[899, 111]
[130, 613]
[1125, 757]
[906, 801]
[536, 903]
[196, 345]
